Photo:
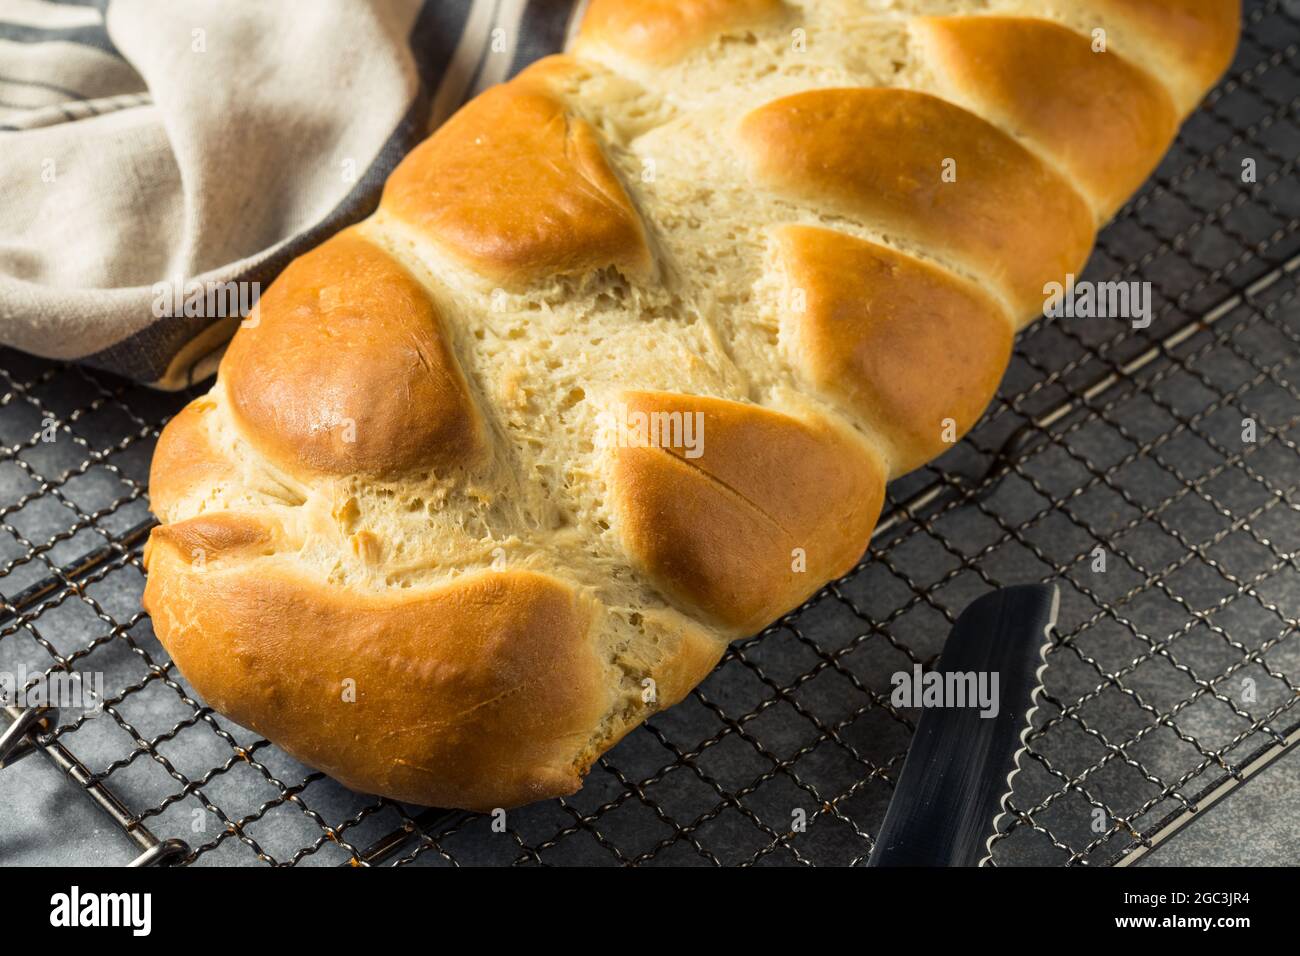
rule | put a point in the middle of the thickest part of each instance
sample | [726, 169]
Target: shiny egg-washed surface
[813, 228]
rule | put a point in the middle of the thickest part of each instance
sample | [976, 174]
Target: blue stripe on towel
[541, 31]
[93, 36]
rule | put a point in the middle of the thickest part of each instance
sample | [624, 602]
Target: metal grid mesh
[1103, 438]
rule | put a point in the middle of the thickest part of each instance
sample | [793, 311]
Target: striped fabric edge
[89, 34]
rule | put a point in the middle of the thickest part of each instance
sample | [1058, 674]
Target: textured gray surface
[47, 821]
[1256, 825]
[1180, 658]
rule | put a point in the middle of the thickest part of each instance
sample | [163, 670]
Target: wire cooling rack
[1173, 676]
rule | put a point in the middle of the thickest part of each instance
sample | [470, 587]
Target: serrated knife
[958, 769]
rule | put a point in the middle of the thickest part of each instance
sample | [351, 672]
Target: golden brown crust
[1005, 216]
[1102, 120]
[770, 508]
[346, 369]
[217, 535]
[185, 462]
[1187, 44]
[902, 344]
[481, 693]
[517, 188]
[661, 31]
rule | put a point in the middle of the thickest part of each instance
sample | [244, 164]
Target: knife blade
[958, 770]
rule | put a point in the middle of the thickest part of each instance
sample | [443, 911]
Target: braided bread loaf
[618, 370]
